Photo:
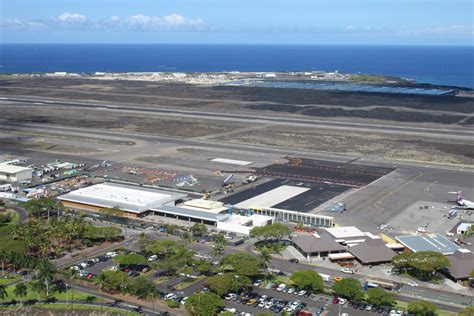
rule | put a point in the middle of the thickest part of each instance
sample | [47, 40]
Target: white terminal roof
[126, 197]
[273, 197]
[346, 232]
[5, 167]
[215, 207]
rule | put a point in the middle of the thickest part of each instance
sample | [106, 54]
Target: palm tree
[46, 271]
[3, 291]
[266, 258]
[71, 275]
[101, 282]
[151, 295]
[21, 290]
[3, 255]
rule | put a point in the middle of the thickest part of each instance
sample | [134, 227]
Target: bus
[387, 285]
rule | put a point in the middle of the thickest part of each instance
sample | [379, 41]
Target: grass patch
[59, 307]
[440, 312]
[185, 284]
[161, 279]
[7, 228]
[282, 279]
[32, 295]
[8, 280]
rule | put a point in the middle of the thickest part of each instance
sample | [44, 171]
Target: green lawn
[7, 228]
[440, 312]
[282, 279]
[31, 295]
[185, 284]
[76, 307]
[9, 280]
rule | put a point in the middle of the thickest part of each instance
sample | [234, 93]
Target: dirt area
[91, 140]
[408, 109]
[366, 144]
[45, 146]
[148, 124]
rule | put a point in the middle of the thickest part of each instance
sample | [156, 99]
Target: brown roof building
[316, 245]
[372, 251]
[461, 264]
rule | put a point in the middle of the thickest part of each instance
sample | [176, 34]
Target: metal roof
[11, 169]
[185, 212]
[428, 242]
[125, 197]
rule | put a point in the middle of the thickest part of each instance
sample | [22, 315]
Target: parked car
[368, 307]
[342, 301]
[294, 260]
[257, 283]
[112, 254]
[302, 292]
[291, 290]
[152, 258]
[413, 283]
[75, 268]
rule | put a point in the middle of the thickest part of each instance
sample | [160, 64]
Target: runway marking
[428, 188]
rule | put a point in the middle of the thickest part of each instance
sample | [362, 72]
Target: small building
[316, 245]
[372, 251]
[461, 264]
[347, 235]
[12, 173]
[428, 242]
[463, 228]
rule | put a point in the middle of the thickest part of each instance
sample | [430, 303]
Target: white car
[230, 310]
[257, 283]
[301, 293]
[413, 283]
[291, 290]
[75, 268]
[263, 298]
[170, 296]
[268, 305]
[183, 301]
[230, 296]
[368, 307]
[111, 254]
[83, 265]
[347, 270]
[262, 304]
[342, 301]
[152, 258]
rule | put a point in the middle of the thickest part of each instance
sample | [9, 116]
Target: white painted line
[232, 161]
[273, 197]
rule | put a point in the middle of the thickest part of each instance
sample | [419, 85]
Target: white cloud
[71, 18]
[137, 22]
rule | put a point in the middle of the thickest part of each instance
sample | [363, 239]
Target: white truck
[5, 187]
[326, 277]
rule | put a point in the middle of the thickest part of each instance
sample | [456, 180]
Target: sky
[360, 22]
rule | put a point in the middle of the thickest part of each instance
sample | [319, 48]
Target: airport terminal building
[137, 201]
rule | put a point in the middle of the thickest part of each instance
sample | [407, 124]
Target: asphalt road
[387, 129]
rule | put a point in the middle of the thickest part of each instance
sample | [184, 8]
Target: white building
[12, 173]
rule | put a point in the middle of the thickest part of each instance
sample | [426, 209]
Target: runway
[337, 125]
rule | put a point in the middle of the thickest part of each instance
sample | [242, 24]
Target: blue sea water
[452, 66]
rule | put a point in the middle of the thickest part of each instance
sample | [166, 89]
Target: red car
[90, 275]
[335, 300]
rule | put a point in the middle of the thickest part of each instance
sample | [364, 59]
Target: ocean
[441, 65]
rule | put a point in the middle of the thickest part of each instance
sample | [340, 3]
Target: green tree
[3, 291]
[422, 308]
[349, 288]
[204, 304]
[161, 247]
[266, 258]
[228, 282]
[21, 290]
[467, 311]
[112, 281]
[275, 231]
[198, 229]
[131, 258]
[203, 266]
[380, 297]
[219, 244]
[421, 264]
[141, 286]
[46, 271]
[242, 263]
[41, 207]
[309, 280]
